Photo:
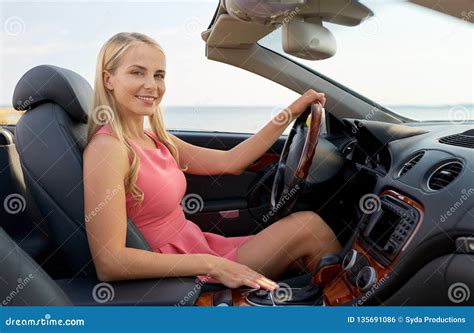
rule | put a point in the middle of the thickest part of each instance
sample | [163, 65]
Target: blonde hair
[104, 108]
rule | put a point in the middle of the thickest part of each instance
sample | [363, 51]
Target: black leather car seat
[50, 139]
[23, 281]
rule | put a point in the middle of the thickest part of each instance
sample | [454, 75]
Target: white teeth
[147, 99]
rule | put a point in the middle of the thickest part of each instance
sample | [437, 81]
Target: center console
[381, 239]
[379, 242]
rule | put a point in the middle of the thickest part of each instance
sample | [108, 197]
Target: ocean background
[252, 119]
[244, 119]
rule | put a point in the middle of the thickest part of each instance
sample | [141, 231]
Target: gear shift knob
[328, 268]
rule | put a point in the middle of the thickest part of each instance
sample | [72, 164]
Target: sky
[404, 55]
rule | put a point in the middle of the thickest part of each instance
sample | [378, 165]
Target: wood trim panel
[341, 291]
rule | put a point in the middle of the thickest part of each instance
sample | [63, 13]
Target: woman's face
[138, 83]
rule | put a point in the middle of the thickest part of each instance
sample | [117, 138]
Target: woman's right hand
[233, 275]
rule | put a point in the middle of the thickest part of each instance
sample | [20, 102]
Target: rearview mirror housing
[306, 38]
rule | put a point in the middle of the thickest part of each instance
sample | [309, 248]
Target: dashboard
[424, 197]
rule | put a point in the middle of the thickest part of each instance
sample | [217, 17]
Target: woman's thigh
[273, 250]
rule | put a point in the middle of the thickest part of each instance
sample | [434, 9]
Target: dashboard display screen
[384, 227]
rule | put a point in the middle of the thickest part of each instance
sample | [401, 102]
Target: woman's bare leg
[299, 239]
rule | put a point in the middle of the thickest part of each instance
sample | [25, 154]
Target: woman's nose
[150, 83]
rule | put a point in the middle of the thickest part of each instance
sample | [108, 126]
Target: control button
[389, 248]
[349, 260]
[261, 293]
[465, 244]
[366, 278]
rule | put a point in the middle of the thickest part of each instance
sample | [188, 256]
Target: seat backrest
[23, 281]
[19, 217]
[50, 139]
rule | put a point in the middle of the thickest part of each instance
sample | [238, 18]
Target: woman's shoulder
[108, 147]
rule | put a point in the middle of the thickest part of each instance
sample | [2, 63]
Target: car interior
[398, 193]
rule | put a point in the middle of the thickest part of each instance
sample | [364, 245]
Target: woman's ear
[107, 81]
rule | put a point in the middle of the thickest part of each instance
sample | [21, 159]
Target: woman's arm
[105, 167]
[205, 161]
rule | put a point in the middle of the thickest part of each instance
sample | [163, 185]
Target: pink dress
[160, 217]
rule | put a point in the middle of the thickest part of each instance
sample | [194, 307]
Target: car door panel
[229, 204]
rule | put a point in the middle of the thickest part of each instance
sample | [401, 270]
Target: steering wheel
[296, 159]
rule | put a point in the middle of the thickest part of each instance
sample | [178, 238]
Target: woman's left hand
[301, 104]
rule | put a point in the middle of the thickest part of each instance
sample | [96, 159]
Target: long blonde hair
[104, 108]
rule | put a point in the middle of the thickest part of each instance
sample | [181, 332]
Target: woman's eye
[160, 76]
[136, 73]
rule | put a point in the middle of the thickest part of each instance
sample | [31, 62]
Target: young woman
[137, 173]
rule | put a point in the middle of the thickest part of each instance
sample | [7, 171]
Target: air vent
[444, 175]
[411, 163]
[465, 139]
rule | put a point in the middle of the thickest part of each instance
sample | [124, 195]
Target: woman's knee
[314, 228]
[309, 222]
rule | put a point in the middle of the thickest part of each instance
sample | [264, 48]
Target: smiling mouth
[147, 99]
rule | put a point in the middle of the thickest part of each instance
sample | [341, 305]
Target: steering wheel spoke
[296, 159]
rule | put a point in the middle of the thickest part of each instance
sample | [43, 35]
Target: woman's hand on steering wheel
[301, 104]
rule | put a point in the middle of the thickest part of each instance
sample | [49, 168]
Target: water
[252, 119]
[246, 119]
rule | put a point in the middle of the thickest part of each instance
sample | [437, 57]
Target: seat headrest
[54, 84]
